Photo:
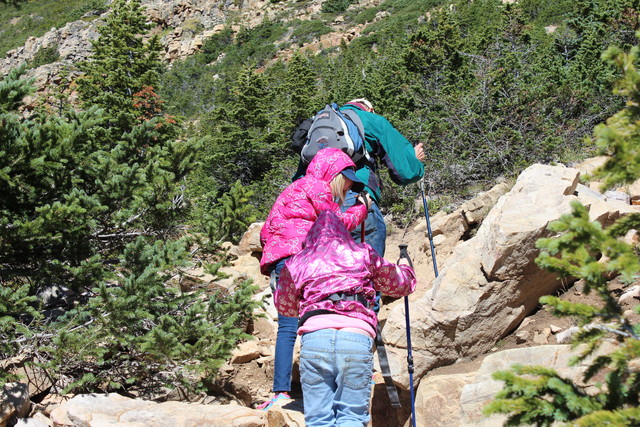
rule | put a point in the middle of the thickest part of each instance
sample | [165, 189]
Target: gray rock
[113, 409]
[564, 337]
[14, 402]
[31, 422]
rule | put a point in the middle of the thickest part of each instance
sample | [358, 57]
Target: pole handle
[404, 254]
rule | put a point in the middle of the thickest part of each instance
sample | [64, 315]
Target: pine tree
[538, 395]
[121, 64]
[300, 86]
[231, 218]
[91, 202]
[244, 145]
[140, 333]
[437, 50]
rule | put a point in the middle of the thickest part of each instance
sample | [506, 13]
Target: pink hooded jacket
[332, 262]
[298, 206]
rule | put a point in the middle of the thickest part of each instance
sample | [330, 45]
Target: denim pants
[336, 369]
[374, 227]
[285, 342]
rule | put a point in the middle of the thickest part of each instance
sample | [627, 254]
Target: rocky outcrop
[182, 25]
[72, 42]
[114, 409]
[490, 282]
[457, 400]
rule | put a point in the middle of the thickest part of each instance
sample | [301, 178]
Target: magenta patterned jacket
[332, 262]
[298, 206]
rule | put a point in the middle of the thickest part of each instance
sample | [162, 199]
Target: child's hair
[337, 189]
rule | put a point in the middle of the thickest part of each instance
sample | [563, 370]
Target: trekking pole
[404, 254]
[363, 193]
[394, 399]
[429, 234]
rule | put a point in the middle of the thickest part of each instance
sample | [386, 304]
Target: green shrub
[306, 31]
[141, 334]
[365, 16]
[335, 6]
[45, 55]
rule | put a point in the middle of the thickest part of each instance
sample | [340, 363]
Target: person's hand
[419, 151]
[365, 199]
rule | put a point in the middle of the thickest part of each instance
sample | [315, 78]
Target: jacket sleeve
[399, 155]
[391, 279]
[286, 297]
[351, 218]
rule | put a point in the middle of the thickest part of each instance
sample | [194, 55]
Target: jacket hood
[326, 229]
[328, 163]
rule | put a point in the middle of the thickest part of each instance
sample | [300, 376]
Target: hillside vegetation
[488, 87]
[24, 19]
[105, 202]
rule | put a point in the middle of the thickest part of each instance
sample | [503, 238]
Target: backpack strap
[341, 296]
[353, 116]
[338, 296]
[386, 370]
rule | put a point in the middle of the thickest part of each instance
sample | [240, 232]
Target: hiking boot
[281, 398]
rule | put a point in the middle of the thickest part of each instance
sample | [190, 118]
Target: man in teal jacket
[388, 148]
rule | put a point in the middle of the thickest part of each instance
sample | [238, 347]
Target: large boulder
[458, 399]
[114, 409]
[490, 282]
[447, 230]
[438, 400]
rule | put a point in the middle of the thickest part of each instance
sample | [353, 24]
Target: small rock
[618, 195]
[522, 337]
[632, 237]
[524, 323]
[32, 422]
[540, 338]
[246, 352]
[250, 241]
[227, 368]
[630, 294]
[564, 337]
[555, 329]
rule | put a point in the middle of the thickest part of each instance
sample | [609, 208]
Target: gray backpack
[334, 128]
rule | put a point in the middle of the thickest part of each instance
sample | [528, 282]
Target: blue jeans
[335, 369]
[285, 342]
[374, 227]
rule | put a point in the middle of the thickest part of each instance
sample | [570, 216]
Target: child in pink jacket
[329, 176]
[331, 284]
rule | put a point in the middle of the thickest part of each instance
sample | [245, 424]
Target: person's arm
[286, 296]
[323, 201]
[392, 279]
[402, 159]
